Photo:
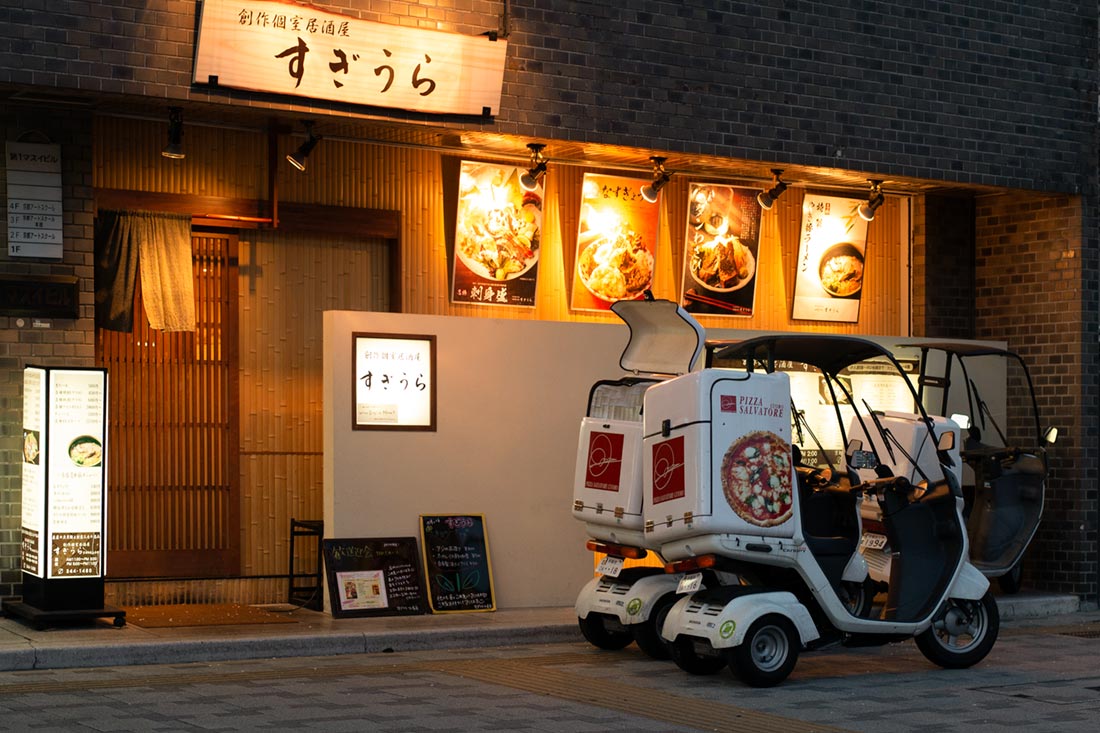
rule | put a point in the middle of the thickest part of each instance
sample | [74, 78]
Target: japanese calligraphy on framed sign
[616, 242]
[497, 234]
[721, 250]
[289, 48]
[833, 241]
[394, 382]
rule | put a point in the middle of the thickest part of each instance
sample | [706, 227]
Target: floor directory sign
[64, 472]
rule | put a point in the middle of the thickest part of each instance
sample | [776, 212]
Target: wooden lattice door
[173, 471]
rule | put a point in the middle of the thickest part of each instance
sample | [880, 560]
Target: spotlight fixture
[660, 178]
[875, 200]
[529, 181]
[174, 148]
[298, 157]
[766, 199]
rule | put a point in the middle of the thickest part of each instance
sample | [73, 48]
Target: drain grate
[1090, 633]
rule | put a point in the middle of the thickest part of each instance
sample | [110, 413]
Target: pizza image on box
[756, 478]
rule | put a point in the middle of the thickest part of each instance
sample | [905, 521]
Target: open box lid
[664, 338]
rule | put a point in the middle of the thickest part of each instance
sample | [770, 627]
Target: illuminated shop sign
[394, 385]
[301, 50]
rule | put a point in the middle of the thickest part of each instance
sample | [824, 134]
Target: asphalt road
[1039, 677]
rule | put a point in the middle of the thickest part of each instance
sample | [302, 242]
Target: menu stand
[64, 497]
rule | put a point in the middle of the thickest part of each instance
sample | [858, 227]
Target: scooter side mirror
[1050, 435]
[946, 441]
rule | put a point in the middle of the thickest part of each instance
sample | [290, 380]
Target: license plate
[610, 566]
[872, 541]
[690, 583]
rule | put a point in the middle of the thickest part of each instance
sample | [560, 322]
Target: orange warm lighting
[691, 564]
[634, 553]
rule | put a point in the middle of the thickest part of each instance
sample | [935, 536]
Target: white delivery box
[607, 492]
[717, 456]
[607, 487]
[907, 448]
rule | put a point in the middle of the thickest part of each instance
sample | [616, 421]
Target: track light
[174, 148]
[529, 181]
[766, 199]
[298, 157]
[875, 200]
[660, 178]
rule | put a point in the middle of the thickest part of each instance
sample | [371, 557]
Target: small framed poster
[394, 381]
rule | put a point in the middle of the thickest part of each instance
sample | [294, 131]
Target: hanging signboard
[721, 250]
[394, 382]
[456, 563]
[832, 245]
[34, 209]
[374, 576]
[288, 48]
[64, 460]
[498, 231]
[616, 242]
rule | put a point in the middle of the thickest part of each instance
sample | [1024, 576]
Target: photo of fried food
[616, 267]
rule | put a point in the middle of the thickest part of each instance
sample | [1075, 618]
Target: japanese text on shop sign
[291, 49]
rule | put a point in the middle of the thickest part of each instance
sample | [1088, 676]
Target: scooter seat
[830, 545]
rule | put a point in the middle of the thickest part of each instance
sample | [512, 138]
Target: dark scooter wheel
[768, 654]
[962, 634]
[598, 635]
[691, 661]
[647, 635]
[1010, 581]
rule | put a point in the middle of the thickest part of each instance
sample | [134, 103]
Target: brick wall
[977, 91]
[943, 268]
[1035, 288]
[66, 342]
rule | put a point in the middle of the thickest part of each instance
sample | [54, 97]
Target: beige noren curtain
[155, 246]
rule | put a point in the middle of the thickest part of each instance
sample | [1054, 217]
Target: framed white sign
[394, 377]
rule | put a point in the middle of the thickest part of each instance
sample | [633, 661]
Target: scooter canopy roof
[831, 354]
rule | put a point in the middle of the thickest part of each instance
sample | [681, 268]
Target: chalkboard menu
[456, 563]
[374, 577]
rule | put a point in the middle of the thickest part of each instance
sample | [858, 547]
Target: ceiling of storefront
[465, 139]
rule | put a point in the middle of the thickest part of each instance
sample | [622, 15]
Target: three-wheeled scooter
[1005, 454]
[623, 604]
[724, 491]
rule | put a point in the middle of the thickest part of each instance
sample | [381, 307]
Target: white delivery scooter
[623, 604]
[723, 492]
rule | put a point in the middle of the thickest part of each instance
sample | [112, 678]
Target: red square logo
[605, 461]
[668, 470]
[727, 403]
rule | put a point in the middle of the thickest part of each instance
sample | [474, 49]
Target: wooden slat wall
[286, 282]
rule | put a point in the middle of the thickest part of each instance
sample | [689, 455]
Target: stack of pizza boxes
[664, 341]
[717, 465]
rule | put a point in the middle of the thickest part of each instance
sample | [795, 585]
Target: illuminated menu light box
[394, 382]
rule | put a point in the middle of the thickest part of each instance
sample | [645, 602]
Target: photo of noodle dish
[616, 266]
[722, 263]
[86, 451]
[841, 270]
[30, 446]
[498, 230]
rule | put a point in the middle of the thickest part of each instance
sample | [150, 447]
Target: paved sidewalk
[318, 634]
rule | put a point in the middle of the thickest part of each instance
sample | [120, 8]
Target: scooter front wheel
[768, 654]
[962, 634]
[688, 658]
[597, 634]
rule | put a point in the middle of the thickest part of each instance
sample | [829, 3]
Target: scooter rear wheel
[597, 634]
[647, 635]
[768, 654]
[962, 634]
[691, 661]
